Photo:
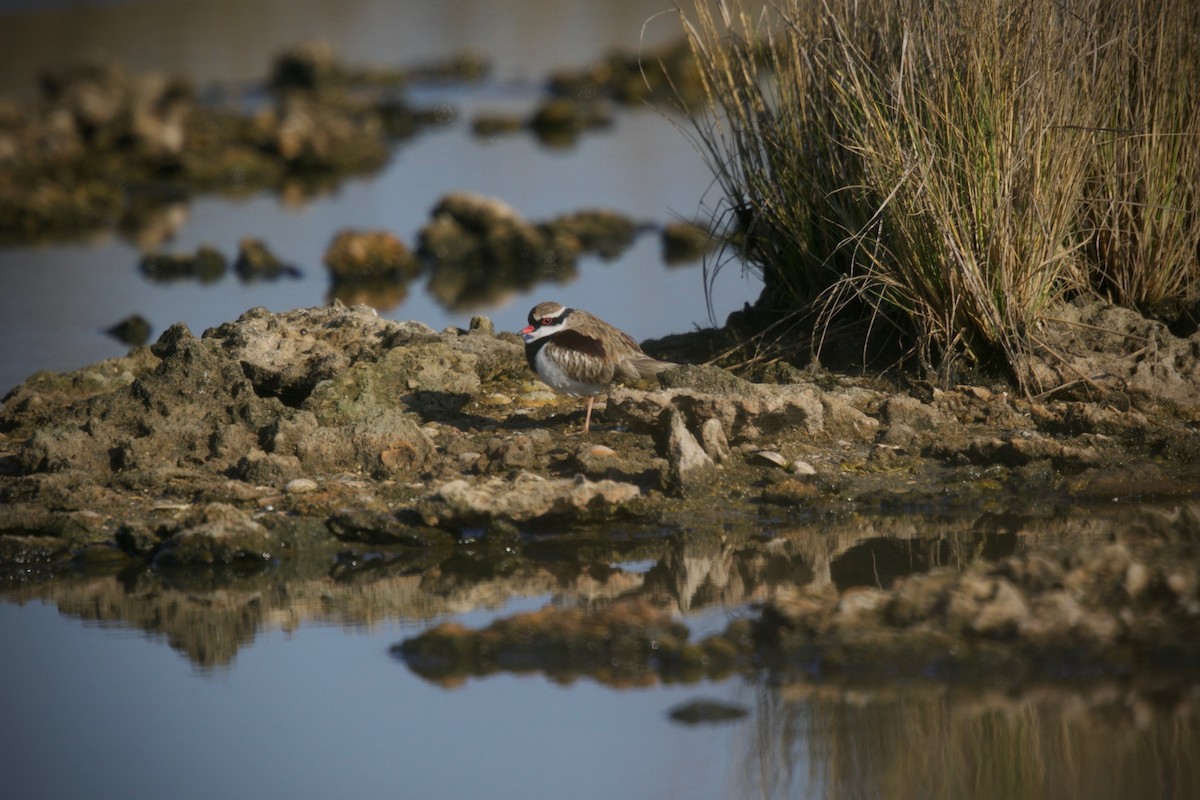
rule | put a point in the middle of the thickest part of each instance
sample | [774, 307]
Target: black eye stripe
[538, 322]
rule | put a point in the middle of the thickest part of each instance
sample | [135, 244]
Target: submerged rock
[559, 120]
[133, 330]
[481, 247]
[206, 265]
[698, 712]
[255, 261]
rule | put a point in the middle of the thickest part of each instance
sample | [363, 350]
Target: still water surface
[319, 710]
[59, 297]
[205, 687]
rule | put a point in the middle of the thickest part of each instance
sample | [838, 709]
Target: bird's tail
[645, 367]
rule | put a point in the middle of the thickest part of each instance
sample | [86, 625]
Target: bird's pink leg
[587, 420]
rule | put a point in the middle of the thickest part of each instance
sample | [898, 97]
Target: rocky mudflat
[288, 438]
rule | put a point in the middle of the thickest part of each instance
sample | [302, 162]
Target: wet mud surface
[325, 463]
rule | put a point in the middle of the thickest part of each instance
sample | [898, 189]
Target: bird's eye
[547, 320]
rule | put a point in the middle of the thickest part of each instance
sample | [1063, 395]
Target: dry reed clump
[939, 174]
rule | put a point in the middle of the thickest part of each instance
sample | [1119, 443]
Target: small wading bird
[578, 354]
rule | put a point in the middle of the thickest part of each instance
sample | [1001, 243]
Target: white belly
[556, 378]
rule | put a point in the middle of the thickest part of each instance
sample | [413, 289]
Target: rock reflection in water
[210, 613]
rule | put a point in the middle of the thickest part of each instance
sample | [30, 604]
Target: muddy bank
[278, 436]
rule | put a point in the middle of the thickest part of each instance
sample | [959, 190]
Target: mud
[283, 438]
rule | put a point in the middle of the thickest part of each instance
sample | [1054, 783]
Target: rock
[712, 439]
[899, 434]
[685, 241]
[310, 66]
[286, 355]
[598, 461]
[902, 409]
[301, 486]
[481, 326]
[268, 469]
[29, 551]
[311, 136]
[764, 411]
[481, 248]
[206, 265]
[355, 256]
[1016, 451]
[600, 231]
[101, 554]
[525, 498]
[697, 712]
[515, 453]
[385, 444]
[255, 261]
[216, 534]
[362, 525]
[706, 379]
[561, 120]
[133, 330]
[493, 124]
[788, 491]
[688, 465]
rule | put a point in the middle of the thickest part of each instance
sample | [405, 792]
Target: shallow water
[141, 683]
[283, 681]
[59, 298]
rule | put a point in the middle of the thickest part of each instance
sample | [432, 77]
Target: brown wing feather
[571, 339]
[583, 366]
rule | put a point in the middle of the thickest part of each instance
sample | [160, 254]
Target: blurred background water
[58, 298]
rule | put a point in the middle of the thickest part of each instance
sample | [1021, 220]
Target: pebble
[802, 468]
[300, 486]
[768, 457]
